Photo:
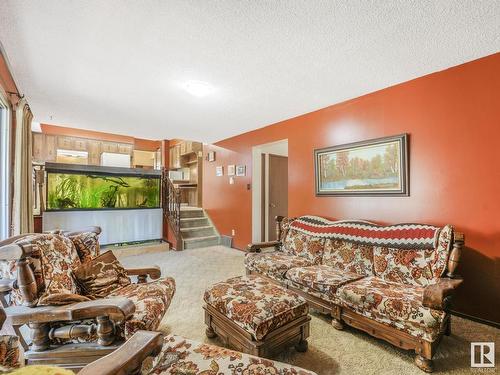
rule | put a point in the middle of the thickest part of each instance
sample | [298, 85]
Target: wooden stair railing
[171, 200]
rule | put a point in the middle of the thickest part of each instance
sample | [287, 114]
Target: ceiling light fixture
[199, 89]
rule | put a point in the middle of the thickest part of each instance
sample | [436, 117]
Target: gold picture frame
[376, 167]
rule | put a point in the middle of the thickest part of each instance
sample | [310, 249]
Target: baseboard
[476, 319]
[226, 240]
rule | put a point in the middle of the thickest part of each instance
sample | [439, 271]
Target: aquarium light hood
[95, 169]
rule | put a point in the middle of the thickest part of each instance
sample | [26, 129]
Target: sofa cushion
[394, 304]
[183, 356]
[100, 276]
[151, 303]
[320, 278]
[87, 245]
[285, 226]
[9, 353]
[414, 266]
[304, 245]
[274, 264]
[257, 305]
[58, 258]
[349, 256]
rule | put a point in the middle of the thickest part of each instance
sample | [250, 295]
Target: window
[4, 168]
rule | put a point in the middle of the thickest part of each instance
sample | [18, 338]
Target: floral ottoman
[256, 316]
[183, 356]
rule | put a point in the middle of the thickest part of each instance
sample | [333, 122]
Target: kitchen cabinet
[125, 149]
[50, 148]
[79, 144]
[109, 147]
[175, 156]
[65, 143]
[94, 150]
[38, 148]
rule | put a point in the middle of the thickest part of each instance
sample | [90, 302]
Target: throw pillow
[87, 245]
[58, 257]
[101, 276]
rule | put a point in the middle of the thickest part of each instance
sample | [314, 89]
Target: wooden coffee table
[255, 316]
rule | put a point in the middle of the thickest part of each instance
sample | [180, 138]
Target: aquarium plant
[66, 191]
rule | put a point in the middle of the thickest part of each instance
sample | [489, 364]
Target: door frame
[259, 184]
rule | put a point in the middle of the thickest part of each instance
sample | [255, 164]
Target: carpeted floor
[330, 351]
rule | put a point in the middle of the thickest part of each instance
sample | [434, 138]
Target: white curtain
[22, 208]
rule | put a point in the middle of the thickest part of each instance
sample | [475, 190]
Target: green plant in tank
[66, 194]
[90, 191]
[109, 197]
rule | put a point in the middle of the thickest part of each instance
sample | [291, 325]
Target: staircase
[196, 229]
[191, 226]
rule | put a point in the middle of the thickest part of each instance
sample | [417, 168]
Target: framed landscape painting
[368, 168]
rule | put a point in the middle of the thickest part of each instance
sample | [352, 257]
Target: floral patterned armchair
[72, 298]
[125, 360]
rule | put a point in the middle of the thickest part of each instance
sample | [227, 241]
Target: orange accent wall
[146, 144]
[6, 80]
[453, 121]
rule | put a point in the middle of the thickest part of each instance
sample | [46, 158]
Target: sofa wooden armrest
[437, 296]
[128, 358]
[6, 285]
[153, 272]
[118, 309]
[14, 251]
[257, 247]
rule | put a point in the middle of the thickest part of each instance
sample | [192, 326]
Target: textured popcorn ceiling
[118, 66]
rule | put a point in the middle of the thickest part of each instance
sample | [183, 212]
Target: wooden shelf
[192, 162]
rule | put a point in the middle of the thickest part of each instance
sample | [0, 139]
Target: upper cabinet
[111, 147]
[186, 163]
[46, 146]
[175, 156]
[94, 150]
[38, 147]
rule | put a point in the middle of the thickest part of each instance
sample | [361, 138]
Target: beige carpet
[330, 351]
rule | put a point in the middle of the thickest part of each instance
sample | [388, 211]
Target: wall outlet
[233, 232]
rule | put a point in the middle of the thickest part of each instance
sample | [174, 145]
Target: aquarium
[74, 191]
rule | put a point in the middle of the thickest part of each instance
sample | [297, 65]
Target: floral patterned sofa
[394, 282]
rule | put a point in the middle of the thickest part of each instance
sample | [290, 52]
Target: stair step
[198, 242]
[191, 213]
[189, 229]
[195, 232]
[190, 222]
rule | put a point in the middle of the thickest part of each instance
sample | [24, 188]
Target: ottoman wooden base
[295, 333]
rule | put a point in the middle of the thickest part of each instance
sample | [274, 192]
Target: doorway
[269, 188]
[276, 197]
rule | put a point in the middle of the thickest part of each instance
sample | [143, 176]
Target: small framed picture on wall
[231, 170]
[241, 170]
[219, 171]
[211, 156]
